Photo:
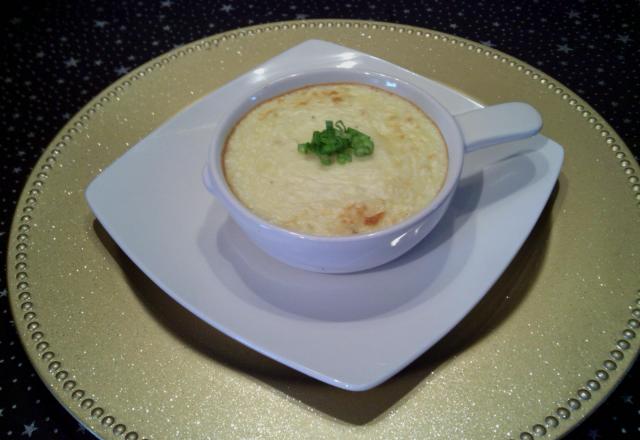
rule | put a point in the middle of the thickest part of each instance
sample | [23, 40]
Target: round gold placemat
[541, 350]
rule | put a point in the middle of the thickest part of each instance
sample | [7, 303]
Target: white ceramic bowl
[462, 133]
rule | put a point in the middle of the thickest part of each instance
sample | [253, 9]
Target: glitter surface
[136, 362]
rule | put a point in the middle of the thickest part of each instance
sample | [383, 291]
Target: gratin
[265, 171]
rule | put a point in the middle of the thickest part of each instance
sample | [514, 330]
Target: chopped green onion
[325, 160]
[337, 141]
[343, 157]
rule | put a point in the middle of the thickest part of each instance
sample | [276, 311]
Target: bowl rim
[227, 124]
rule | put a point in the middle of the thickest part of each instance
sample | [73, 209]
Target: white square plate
[353, 331]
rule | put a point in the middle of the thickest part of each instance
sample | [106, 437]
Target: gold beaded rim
[23, 309]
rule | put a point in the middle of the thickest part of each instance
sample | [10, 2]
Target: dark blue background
[57, 55]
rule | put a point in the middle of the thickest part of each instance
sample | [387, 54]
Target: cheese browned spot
[270, 177]
[356, 214]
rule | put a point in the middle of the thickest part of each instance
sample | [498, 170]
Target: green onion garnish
[337, 143]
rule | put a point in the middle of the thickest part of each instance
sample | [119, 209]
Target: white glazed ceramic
[352, 331]
[466, 132]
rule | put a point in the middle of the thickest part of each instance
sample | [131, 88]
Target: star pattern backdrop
[57, 55]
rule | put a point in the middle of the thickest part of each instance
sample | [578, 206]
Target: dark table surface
[57, 55]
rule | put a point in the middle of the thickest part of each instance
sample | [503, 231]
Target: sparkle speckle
[71, 62]
[623, 39]
[29, 429]
[564, 48]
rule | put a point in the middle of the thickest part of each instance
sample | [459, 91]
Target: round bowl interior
[438, 114]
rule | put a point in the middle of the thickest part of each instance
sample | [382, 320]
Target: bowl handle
[497, 124]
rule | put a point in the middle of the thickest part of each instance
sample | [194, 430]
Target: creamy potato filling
[295, 191]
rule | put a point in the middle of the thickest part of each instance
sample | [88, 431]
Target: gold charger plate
[547, 344]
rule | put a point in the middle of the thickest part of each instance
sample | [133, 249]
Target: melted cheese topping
[295, 191]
